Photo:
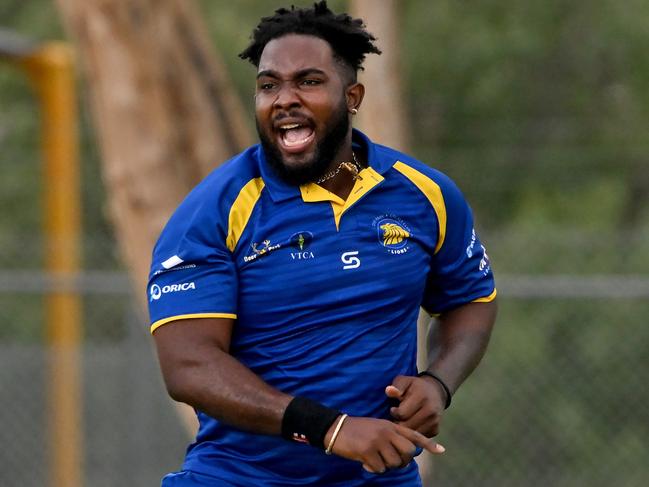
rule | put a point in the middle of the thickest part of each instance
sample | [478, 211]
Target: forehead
[295, 52]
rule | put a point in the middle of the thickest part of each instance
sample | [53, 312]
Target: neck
[342, 183]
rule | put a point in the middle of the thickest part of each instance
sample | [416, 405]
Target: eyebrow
[299, 74]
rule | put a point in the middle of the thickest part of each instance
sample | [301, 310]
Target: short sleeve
[460, 270]
[192, 272]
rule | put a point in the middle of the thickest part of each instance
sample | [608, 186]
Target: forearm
[459, 341]
[199, 370]
[227, 390]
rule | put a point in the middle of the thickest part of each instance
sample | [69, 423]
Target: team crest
[393, 234]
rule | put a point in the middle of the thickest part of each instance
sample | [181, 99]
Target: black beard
[335, 133]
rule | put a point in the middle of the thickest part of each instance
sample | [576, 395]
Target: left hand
[421, 403]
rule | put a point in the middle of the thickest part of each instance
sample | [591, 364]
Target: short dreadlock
[347, 37]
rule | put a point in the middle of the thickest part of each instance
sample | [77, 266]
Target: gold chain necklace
[353, 167]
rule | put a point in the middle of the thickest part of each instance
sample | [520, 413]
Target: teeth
[297, 142]
[290, 126]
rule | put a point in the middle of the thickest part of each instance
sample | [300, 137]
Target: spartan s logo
[350, 260]
[393, 234]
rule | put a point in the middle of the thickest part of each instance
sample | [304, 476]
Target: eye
[311, 82]
[266, 84]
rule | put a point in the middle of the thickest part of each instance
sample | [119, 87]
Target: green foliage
[555, 401]
[20, 185]
[539, 110]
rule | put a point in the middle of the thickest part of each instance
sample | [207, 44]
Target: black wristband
[449, 396]
[307, 421]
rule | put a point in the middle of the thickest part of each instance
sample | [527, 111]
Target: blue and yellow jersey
[325, 292]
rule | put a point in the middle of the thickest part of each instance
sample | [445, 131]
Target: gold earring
[354, 111]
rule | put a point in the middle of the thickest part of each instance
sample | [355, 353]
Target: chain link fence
[560, 398]
[130, 431]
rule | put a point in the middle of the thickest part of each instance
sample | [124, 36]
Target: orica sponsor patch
[156, 291]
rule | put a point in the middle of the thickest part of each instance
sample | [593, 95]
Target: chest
[294, 252]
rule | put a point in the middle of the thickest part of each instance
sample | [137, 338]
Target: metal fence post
[50, 68]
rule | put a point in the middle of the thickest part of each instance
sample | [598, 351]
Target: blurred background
[538, 110]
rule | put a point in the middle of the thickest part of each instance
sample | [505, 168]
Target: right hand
[379, 444]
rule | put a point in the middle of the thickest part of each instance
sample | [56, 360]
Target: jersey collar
[279, 190]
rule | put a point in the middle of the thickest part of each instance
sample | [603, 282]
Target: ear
[354, 94]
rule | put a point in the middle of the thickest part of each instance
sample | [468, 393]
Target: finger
[424, 422]
[391, 457]
[420, 440]
[374, 463]
[406, 449]
[402, 382]
[408, 407]
[393, 392]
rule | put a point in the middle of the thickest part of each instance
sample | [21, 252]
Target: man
[285, 289]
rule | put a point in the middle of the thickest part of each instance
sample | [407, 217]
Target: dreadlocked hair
[347, 37]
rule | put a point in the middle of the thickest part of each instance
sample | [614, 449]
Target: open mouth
[295, 137]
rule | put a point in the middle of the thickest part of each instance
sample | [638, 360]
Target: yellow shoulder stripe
[432, 191]
[241, 211]
[164, 321]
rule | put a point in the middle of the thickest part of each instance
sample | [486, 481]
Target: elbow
[176, 391]
[180, 386]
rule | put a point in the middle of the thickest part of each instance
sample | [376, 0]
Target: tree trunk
[383, 114]
[164, 111]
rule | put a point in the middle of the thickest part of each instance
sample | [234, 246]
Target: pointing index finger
[420, 440]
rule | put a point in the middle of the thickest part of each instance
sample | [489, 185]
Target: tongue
[294, 136]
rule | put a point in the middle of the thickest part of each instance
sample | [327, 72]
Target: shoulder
[432, 186]
[436, 186]
[225, 182]
[208, 207]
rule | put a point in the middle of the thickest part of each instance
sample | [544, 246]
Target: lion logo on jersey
[393, 234]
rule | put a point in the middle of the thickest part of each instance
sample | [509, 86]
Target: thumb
[393, 392]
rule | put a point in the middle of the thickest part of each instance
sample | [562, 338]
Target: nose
[286, 97]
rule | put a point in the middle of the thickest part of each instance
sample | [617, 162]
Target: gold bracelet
[335, 435]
